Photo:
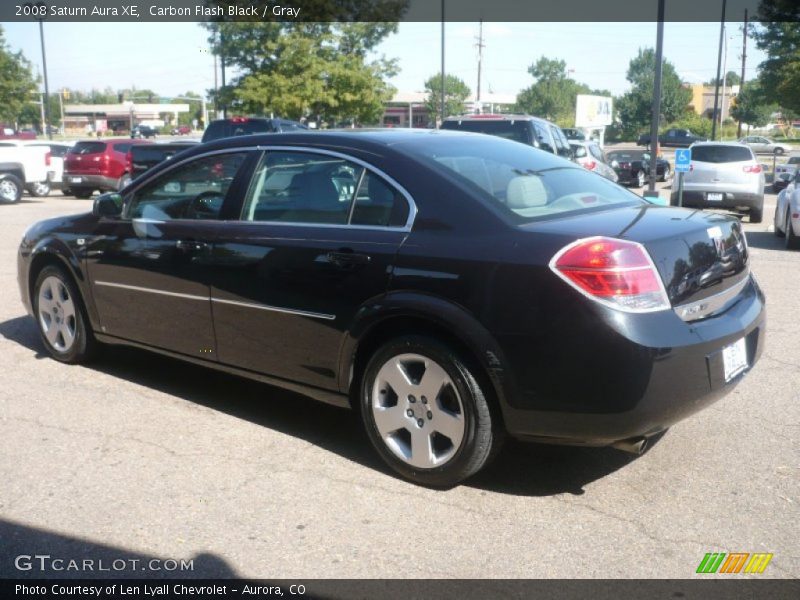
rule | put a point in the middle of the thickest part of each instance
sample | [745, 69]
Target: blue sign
[683, 158]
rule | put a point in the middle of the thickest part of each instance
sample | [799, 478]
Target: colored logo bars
[736, 562]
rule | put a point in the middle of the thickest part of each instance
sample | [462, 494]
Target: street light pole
[719, 67]
[656, 116]
[46, 87]
[442, 104]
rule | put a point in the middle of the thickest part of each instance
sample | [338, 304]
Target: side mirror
[107, 205]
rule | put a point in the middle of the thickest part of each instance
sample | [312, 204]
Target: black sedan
[633, 167]
[454, 288]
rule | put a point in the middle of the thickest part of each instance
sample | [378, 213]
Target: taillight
[590, 164]
[616, 273]
[752, 168]
[129, 161]
[47, 157]
[239, 120]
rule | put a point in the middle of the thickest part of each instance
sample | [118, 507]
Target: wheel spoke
[448, 424]
[421, 451]
[67, 333]
[394, 374]
[51, 333]
[389, 419]
[433, 380]
[68, 308]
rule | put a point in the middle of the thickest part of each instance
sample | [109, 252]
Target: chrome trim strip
[136, 288]
[288, 311]
[707, 306]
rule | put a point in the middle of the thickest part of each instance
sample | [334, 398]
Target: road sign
[683, 158]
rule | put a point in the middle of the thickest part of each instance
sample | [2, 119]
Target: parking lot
[140, 456]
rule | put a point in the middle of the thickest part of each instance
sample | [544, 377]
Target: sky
[173, 58]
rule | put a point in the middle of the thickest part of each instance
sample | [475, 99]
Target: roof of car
[734, 144]
[495, 117]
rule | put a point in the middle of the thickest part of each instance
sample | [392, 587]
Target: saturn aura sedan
[453, 288]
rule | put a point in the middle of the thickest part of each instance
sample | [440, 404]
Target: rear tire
[82, 193]
[640, 179]
[435, 438]
[792, 241]
[757, 214]
[61, 317]
[666, 174]
[778, 151]
[10, 188]
[775, 229]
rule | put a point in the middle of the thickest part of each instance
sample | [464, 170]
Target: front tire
[10, 189]
[61, 317]
[426, 413]
[775, 228]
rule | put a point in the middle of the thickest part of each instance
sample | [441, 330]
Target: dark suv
[532, 131]
[223, 128]
[95, 165]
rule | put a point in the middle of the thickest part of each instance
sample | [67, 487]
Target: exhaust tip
[635, 445]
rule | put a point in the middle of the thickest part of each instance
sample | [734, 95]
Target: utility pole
[656, 117]
[222, 65]
[48, 132]
[719, 67]
[442, 104]
[744, 61]
[481, 46]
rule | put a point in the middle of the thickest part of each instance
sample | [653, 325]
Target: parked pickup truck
[681, 138]
[23, 167]
[143, 157]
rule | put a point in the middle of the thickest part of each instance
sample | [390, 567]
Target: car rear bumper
[663, 370]
[699, 199]
[97, 182]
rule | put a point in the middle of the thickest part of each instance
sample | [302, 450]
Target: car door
[316, 240]
[147, 268]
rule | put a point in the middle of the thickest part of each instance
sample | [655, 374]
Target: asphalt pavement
[137, 456]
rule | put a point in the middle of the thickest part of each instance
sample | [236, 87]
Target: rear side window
[88, 148]
[721, 154]
[542, 138]
[519, 131]
[379, 204]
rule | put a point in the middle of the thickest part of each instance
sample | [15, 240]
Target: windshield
[524, 183]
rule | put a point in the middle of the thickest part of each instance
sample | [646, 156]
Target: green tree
[455, 94]
[17, 84]
[732, 78]
[634, 108]
[553, 94]
[320, 70]
[779, 36]
[751, 105]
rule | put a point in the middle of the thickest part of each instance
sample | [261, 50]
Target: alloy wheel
[8, 190]
[57, 316]
[417, 411]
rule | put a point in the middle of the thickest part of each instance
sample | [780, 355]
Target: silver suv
[724, 175]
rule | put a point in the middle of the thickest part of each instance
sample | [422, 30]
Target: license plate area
[75, 179]
[714, 196]
[734, 359]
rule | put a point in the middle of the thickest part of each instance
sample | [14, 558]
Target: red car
[182, 130]
[7, 132]
[97, 165]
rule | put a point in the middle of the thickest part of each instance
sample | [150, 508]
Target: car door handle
[190, 245]
[343, 258]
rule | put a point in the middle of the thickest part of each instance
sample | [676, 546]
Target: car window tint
[122, 147]
[517, 180]
[196, 190]
[542, 137]
[302, 187]
[7, 145]
[88, 148]
[721, 154]
[518, 131]
[379, 204]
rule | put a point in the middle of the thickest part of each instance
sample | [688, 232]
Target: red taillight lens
[752, 168]
[47, 158]
[239, 120]
[590, 164]
[617, 273]
[129, 161]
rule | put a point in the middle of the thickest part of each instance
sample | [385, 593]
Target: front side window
[195, 190]
[543, 138]
[304, 187]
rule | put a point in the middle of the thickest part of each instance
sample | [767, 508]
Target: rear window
[522, 182]
[795, 160]
[223, 129]
[721, 154]
[519, 131]
[88, 148]
[122, 147]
